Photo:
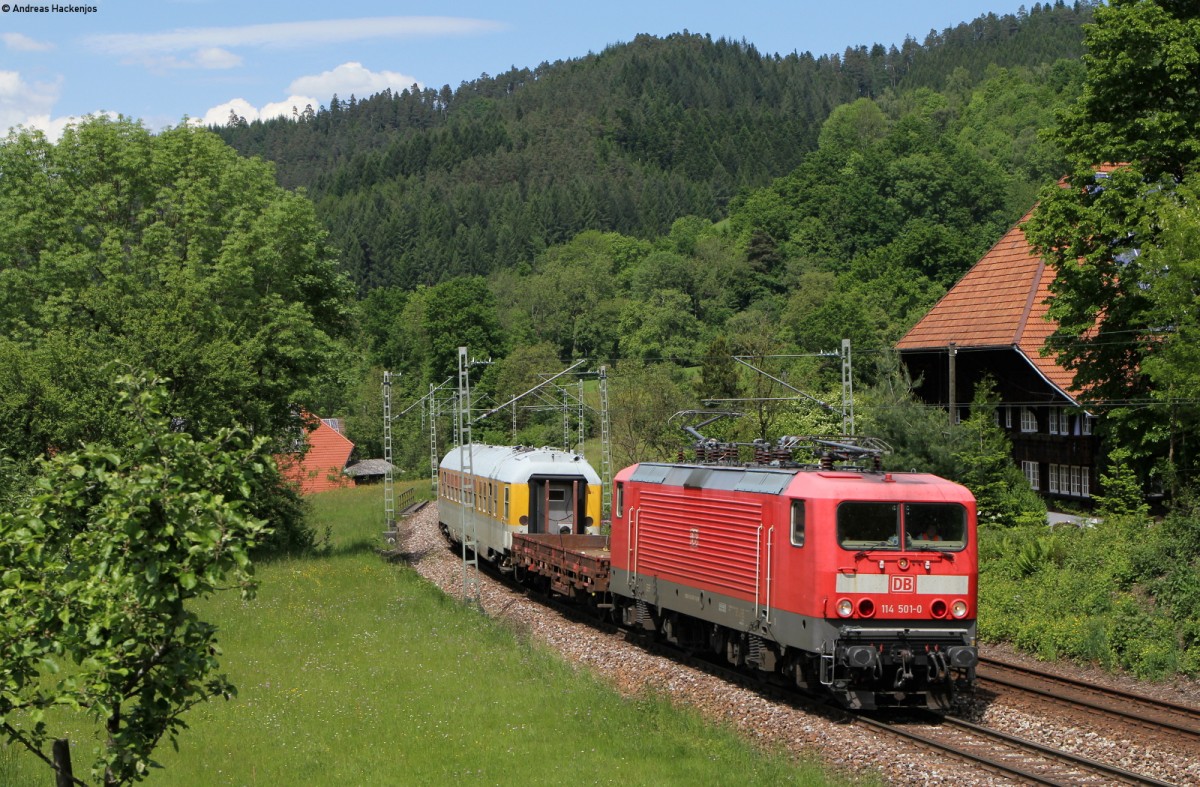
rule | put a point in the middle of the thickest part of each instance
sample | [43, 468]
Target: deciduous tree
[1108, 232]
[161, 251]
[99, 572]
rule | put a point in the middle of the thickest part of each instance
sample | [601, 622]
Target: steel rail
[1129, 714]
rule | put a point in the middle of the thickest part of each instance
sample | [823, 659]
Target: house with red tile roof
[994, 322]
[322, 467]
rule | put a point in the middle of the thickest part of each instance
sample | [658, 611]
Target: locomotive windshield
[936, 525]
[868, 525]
[871, 525]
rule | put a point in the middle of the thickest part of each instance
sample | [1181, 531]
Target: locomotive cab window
[936, 525]
[863, 525]
[939, 526]
[798, 523]
[620, 500]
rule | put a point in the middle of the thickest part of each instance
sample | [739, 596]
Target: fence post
[63, 776]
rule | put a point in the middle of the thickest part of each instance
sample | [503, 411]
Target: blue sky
[161, 61]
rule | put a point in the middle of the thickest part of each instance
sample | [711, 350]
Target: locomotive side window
[936, 525]
[798, 523]
[868, 525]
[620, 500]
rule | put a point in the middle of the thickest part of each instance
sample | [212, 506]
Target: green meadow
[355, 671]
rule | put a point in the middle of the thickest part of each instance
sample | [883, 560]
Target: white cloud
[155, 48]
[346, 80]
[19, 42]
[216, 57]
[21, 101]
[219, 115]
[352, 79]
[284, 108]
[53, 127]
[210, 57]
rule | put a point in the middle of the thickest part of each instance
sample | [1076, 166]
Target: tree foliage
[100, 567]
[1139, 100]
[166, 252]
[1113, 234]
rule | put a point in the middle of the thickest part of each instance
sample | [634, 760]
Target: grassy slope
[352, 671]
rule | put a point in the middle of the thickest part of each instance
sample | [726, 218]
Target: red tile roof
[322, 468]
[999, 303]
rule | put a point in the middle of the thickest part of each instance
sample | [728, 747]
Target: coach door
[556, 503]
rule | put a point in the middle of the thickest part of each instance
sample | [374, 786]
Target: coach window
[798, 523]
[620, 500]
[506, 503]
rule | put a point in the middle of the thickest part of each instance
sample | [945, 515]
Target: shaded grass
[353, 671]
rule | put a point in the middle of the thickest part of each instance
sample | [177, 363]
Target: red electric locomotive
[854, 581]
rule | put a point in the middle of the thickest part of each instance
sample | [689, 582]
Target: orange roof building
[993, 322]
[322, 467]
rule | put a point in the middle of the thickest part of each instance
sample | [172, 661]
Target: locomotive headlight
[844, 607]
[959, 609]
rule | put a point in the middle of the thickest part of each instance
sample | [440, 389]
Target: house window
[1008, 417]
[1086, 424]
[1070, 481]
[1028, 421]
[1031, 473]
[798, 523]
[1055, 415]
[996, 416]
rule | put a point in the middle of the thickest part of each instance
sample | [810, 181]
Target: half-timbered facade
[994, 322]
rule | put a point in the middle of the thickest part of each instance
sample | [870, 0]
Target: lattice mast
[605, 446]
[470, 543]
[389, 489]
[431, 403]
[847, 390]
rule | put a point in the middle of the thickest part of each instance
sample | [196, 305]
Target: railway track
[994, 751]
[1008, 755]
[921, 747]
[1159, 717]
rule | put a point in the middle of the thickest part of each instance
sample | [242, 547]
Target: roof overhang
[944, 348]
[1038, 371]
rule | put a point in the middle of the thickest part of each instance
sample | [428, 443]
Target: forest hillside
[427, 184]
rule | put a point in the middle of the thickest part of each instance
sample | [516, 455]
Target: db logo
[902, 584]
